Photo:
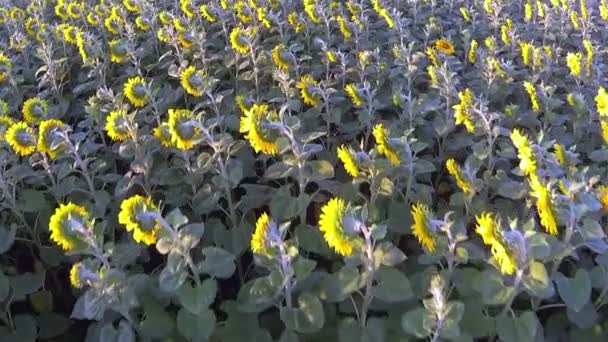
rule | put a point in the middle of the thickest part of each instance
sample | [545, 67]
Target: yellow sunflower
[353, 92]
[119, 51]
[193, 80]
[132, 5]
[544, 205]
[49, 140]
[260, 241]
[280, 57]
[143, 23]
[309, 90]
[6, 66]
[243, 103]
[186, 39]
[445, 46]
[208, 13]
[75, 278]
[75, 10]
[295, 22]
[243, 12]
[5, 122]
[463, 110]
[21, 138]
[422, 228]
[114, 22]
[602, 194]
[252, 124]
[486, 227]
[349, 159]
[525, 152]
[136, 91]
[70, 226]
[505, 260]
[331, 223]
[461, 180]
[70, 32]
[85, 44]
[163, 134]
[184, 130]
[601, 101]
[384, 145]
[240, 39]
[140, 217]
[117, 125]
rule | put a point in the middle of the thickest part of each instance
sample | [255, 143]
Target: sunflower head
[5, 122]
[117, 125]
[119, 50]
[49, 139]
[35, 110]
[244, 103]
[338, 227]
[76, 10]
[6, 66]
[114, 22]
[422, 227]
[602, 195]
[445, 46]
[208, 12]
[163, 134]
[486, 227]
[261, 239]
[349, 160]
[133, 6]
[75, 275]
[261, 137]
[143, 23]
[140, 217]
[184, 130]
[280, 57]
[601, 101]
[384, 146]
[309, 90]
[240, 39]
[193, 80]
[136, 91]
[186, 39]
[355, 95]
[70, 227]
[21, 138]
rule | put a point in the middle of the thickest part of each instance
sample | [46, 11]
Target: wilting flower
[531, 90]
[445, 46]
[21, 138]
[463, 183]
[544, 206]
[422, 227]
[70, 227]
[117, 125]
[35, 110]
[240, 39]
[136, 91]
[49, 139]
[353, 92]
[295, 22]
[601, 101]
[184, 130]
[308, 90]
[384, 145]
[280, 57]
[163, 134]
[462, 110]
[573, 60]
[525, 152]
[193, 80]
[259, 136]
[334, 218]
[262, 237]
[486, 228]
[140, 216]
[349, 159]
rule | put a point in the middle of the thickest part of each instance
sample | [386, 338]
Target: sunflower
[260, 240]
[117, 125]
[183, 128]
[463, 183]
[310, 7]
[353, 92]
[17, 14]
[280, 57]
[70, 32]
[347, 33]
[163, 134]
[114, 22]
[505, 260]
[603, 196]
[21, 138]
[349, 159]
[601, 101]
[531, 90]
[187, 8]
[384, 146]
[208, 12]
[49, 141]
[560, 154]
[445, 46]
[252, 124]
[119, 50]
[574, 61]
[75, 10]
[143, 23]
[544, 205]
[75, 275]
[164, 35]
[93, 19]
[132, 5]
[332, 223]
[6, 66]
[70, 227]
[462, 110]
[308, 90]
[486, 227]
[32, 26]
[140, 216]
[165, 17]
[136, 91]
[86, 45]
[240, 39]
[525, 152]
[294, 21]
[243, 103]
[243, 12]
[5, 122]
[193, 80]
[186, 39]
[4, 15]
[422, 228]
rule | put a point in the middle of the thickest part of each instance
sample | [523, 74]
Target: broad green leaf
[196, 299]
[393, 286]
[518, 329]
[418, 322]
[576, 292]
[218, 262]
[308, 317]
[196, 327]
[537, 279]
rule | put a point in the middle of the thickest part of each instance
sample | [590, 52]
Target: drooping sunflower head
[6, 66]
[240, 39]
[309, 90]
[75, 275]
[260, 136]
[70, 32]
[601, 101]
[422, 227]
[163, 134]
[243, 12]
[208, 12]
[114, 22]
[185, 132]
[186, 39]
[384, 145]
[35, 110]
[32, 26]
[50, 140]
[461, 180]
[86, 46]
[143, 22]
[5, 122]
[280, 57]
[119, 50]
[117, 125]
[525, 152]
[193, 80]
[140, 217]
[21, 138]
[136, 91]
[349, 160]
[338, 227]
[70, 227]
[445, 46]
[132, 5]
[295, 22]
[261, 239]
[355, 95]
[76, 10]
[486, 227]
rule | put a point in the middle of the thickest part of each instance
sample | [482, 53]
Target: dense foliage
[266, 170]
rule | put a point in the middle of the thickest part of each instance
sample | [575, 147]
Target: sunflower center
[186, 130]
[146, 219]
[139, 90]
[196, 81]
[25, 138]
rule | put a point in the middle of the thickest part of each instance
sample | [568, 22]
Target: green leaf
[42, 301]
[388, 255]
[176, 218]
[157, 323]
[393, 286]
[7, 237]
[338, 286]
[25, 284]
[26, 328]
[537, 279]
[418, 322]
[576, 292]
[302, 267]
[308, 317]
[278, 170]
[518, 329]
[257, 295]
[196, 299]
[4, 286]
[52, 325]
[490, 285]
[218, 262]
[196, 327]
[317, 170]
[173, 274]
[32, 201]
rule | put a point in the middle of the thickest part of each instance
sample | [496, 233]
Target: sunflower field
[303, 170]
